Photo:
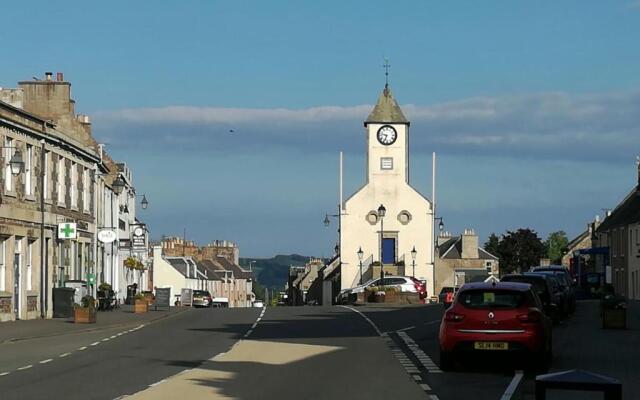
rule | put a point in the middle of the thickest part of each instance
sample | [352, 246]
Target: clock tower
[387, 140]
[386, 239]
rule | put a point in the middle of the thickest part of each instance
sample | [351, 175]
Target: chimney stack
[48, 75]
[59, 77]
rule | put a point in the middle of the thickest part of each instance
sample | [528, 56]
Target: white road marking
[114, 336]
[94, 344]
[64, 354]
[82, 348]
[366, 318]
[25, 367]
[417, 377]
[511, 389]
[106, 339]
[4, 373]
[254, 325]
[434, 397]
[46, 361]
[425, 387]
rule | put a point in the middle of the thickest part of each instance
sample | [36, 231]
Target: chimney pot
[59, 77]
[48, 75]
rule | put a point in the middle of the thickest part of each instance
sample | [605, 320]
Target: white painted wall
[165, 276]
[391, 188]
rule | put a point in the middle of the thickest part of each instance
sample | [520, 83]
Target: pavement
[39, 328]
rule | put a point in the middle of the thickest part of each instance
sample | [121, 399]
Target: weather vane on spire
[386, 72]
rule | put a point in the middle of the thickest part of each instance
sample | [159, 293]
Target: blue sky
[534, 109]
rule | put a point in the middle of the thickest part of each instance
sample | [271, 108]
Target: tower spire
[386, 67]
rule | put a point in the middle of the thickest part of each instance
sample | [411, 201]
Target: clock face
[138, 231]
[387, 135]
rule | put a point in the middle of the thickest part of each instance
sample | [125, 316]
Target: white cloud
[555, 125]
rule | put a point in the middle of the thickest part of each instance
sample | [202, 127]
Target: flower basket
[379, 297]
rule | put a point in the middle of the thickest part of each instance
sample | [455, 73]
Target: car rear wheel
[446, 360]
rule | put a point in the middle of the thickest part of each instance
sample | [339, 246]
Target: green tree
[556, 245]
[491, 245]
[520, 250]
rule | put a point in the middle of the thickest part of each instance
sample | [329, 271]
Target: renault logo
[491, 315]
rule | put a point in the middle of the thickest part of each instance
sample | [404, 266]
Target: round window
[404, 217]
[372, 217]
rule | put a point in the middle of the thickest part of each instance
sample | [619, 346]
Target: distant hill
[273, 272]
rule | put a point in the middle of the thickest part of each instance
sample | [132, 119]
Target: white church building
[368, 238]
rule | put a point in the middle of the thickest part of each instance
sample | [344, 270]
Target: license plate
[491, 346]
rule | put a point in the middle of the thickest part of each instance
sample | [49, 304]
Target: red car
[502, 317]
[421, 288]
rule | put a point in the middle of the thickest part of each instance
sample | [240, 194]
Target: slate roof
[238, 271]
[452, 249]
[386, 110]
[180, 264]
[213, 272]
[627, 212]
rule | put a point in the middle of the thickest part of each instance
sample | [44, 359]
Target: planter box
[84, 315]
[391, 297]
[379, 298]
[140, 306]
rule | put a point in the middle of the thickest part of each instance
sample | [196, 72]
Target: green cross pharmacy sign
[67, 230]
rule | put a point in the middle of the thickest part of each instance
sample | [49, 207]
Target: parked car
[202, 298]
[546, 288]
[567, 281]
[561, 294]
[446, 296]
[497, 317]
[258, 304]
[402, 283]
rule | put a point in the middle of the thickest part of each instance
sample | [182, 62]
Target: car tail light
[452, 316]
[533, 316]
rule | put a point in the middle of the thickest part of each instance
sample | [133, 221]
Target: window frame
[8, 153]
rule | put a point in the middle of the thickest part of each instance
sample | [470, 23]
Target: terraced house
[52, 176]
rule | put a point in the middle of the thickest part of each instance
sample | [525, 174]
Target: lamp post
[360, 255]
[381, 213]
[414, 253]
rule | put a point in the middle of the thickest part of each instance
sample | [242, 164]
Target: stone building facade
[460, 259]
[618, 234]
[64, 179]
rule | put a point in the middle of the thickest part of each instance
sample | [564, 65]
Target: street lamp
[441, 224]
[144, 203]
[381, 213]
[118, 185]
[414, 253]
[16, 163]
[360, 255]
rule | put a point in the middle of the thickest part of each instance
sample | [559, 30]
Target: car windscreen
[538, 284]
[478, 299]
[200, 293]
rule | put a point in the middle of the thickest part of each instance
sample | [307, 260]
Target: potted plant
[85, 313]
[140, 304]
[390, 294]
[379, 294]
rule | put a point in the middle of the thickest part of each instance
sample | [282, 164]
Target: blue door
[388, 251]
